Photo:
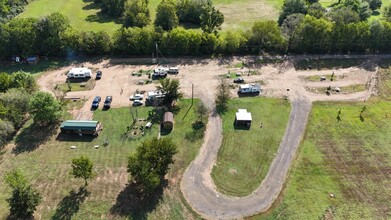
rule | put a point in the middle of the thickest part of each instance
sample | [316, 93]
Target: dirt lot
[204, 74]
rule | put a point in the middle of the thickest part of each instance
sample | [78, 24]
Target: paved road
[200, 192]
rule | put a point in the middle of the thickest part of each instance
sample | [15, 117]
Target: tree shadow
[100, 17]
[197, 132]
[133, 203]
[70, 204]
[90, 6]
[75, 137]
[32, 137]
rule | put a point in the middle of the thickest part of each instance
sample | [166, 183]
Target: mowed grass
[83, 15]
[47, 166]
[245, 155]
[350, 158]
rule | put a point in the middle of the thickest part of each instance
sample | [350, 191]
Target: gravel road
[200, 192]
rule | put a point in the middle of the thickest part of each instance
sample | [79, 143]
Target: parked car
[99, 74]
[239, 80]
[137, 103]
[107, 103]
[95, 103]
[136, 96]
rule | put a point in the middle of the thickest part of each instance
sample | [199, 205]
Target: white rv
[78, 73]
[173, 70]
[250, 88]
[155, 97]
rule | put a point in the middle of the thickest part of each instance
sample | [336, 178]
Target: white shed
[243, 117]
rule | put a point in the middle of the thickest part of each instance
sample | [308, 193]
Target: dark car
[137, 103]
[108, 101]
[99, 74]
[239, 80]
[95, 103]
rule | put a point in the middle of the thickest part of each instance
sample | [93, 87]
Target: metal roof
[82, 125]
[243, 115]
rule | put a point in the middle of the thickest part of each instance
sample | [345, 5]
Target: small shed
[32, 60]
[168, 120]
[243, 117]
[81, 127]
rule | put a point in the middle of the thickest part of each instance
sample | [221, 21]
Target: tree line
[302, 27]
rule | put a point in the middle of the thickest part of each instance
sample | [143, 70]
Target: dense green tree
[5, 81]
[6, 128]
[292, 7]
[387, 13]
[49, 34]
[386, 43]
[233, 41]
[137, 41]
[189, 11]
[211, 19]
[181, 42]
[24, 199]
[82, 168]
[209, 43]
[16, 103]
[344, 15]
[289, 28]
[171, 88]
[95, 43]
[21, 36]
[44, 108]
[374, 4]
[223, 95]
[166, 16]
[136, 13]
[316, 10]
[376, 35]
[4, 38]
[266, 35]
[23, 80]
[114, 8]
[150, 163]
[313, 35]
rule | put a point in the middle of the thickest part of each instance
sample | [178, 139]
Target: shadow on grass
[241, 127]
[250, 94]
[32, 137]
[70, 204]
[133, 203]
[100, 17]
[197, 132]
[42, 66]
[75, 137]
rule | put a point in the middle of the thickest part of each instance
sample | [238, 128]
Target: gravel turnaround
[200, 192]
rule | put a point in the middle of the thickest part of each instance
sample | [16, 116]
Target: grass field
[36, 70]
[245, 155]
[46, 162]
[83, 14]
[344, 89]
[350, 158]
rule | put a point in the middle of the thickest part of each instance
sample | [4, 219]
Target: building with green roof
[81, 127]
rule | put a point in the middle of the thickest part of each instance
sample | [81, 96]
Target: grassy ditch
[245, 155]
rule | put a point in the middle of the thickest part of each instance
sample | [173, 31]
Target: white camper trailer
[250, 88]
[79, 73]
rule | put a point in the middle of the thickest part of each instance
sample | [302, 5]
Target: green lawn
[344, 89]
[245, 155]
[350, 159]
[42, 66]
[83, 15]
[76, 86]
[48, 167]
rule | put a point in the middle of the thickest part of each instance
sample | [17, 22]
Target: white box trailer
[79, 73]
[250, 88]
[173, 70]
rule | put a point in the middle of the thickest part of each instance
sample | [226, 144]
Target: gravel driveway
[200, 192]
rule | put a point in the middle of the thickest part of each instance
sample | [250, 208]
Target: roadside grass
[344, 89]
[316, 78]
[326, 64]
[349, 158]
[76, 86]
[245, 155]
[48, 167]
[83, 15]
